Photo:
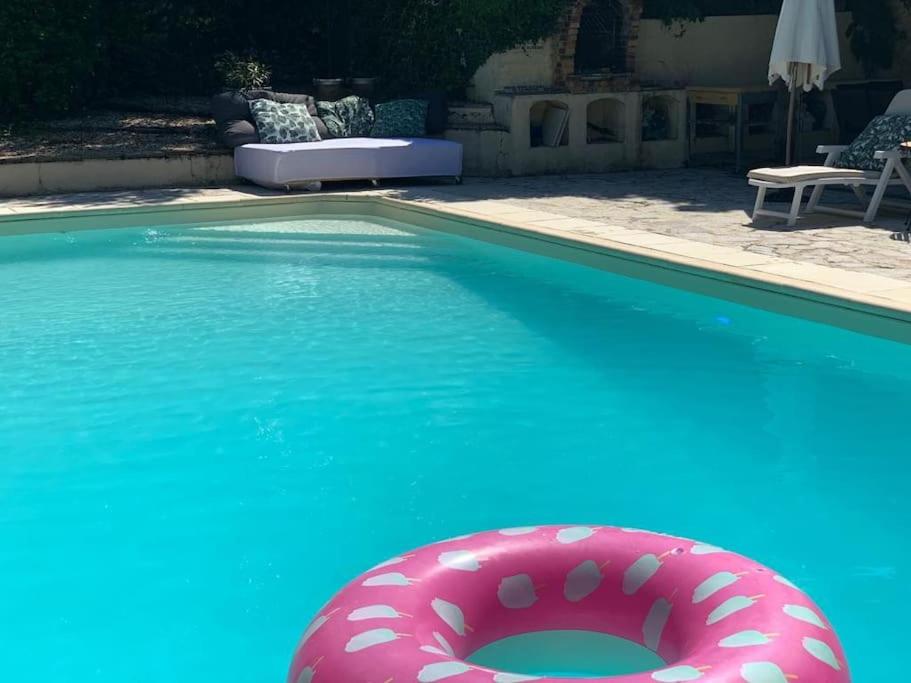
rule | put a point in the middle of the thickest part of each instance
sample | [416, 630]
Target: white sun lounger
[819, 177]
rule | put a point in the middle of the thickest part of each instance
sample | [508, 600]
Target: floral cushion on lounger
[277, 122]
[882, 134]
[401, 119]
[349, 117]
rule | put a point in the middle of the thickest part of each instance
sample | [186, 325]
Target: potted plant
[242, 72]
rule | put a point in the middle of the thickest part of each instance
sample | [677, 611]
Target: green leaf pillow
[278, 122]
[882, 134]
[400, 119]
[349, 117]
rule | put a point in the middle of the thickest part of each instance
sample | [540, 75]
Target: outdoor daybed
[284, 166]
[331, 155]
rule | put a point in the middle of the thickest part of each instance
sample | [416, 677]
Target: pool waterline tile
[901, 294]
[717, 254]
[833, 277]
[559, 222]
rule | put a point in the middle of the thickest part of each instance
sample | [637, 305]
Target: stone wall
[91, 175]
[527, 66]
[721, 51]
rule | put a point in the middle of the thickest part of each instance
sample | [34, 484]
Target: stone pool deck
[709, 207]
[696, 214]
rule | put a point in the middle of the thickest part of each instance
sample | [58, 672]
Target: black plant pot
[328, 89]
[363, 86]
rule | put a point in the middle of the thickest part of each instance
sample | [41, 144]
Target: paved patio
[707, 206]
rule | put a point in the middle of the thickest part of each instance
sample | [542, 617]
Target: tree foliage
[57, 55]
[874, 32]
[49, 54]
[671, 11]
[441, 44]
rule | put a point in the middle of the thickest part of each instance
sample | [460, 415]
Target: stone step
[476, 126]
[471, 113]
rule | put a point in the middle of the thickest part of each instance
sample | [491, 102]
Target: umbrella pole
[791, 105]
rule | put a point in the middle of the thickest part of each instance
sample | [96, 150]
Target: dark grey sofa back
[231, 111]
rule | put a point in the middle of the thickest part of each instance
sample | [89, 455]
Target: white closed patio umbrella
[805, 52]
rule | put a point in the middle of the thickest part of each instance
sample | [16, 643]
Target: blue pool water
[204, 432]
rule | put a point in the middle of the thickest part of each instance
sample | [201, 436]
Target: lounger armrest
[888, 153]
[832, 153]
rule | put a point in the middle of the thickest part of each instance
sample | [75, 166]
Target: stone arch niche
[605, 121]
[536, 115]
[595, 45]
[659, 118]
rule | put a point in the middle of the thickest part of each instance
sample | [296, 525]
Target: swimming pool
[206, 431]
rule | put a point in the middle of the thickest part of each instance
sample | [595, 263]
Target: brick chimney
[588, 15]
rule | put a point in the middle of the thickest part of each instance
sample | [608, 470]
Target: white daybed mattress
[347, 159]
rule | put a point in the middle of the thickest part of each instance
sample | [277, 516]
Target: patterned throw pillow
[882, 134]
[349, 117]
[277, 122]
[401, 119]
[332, 119]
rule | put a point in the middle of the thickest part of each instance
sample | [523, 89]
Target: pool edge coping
[650, 250]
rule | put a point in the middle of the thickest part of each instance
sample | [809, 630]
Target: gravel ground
[109, 135]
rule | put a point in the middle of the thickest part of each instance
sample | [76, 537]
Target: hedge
[60, 55]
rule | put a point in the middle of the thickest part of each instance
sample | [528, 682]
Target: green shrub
[440, 44]
[56, 55]
[873, 33]
[49, 53]
[242, 73]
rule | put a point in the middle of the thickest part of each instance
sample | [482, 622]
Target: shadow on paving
[694, 191]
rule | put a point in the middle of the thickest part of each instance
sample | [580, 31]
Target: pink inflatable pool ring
[712, 615]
